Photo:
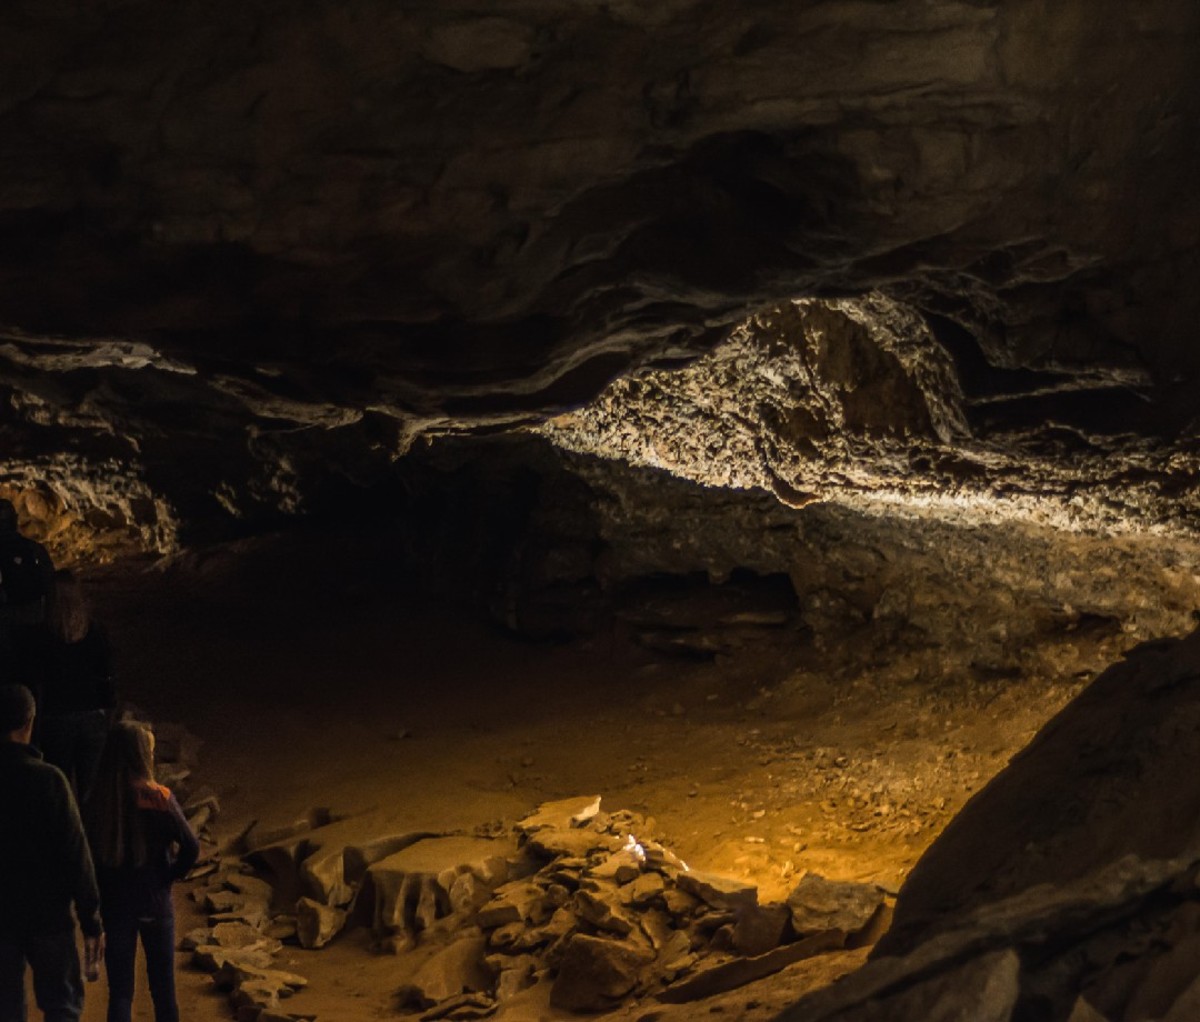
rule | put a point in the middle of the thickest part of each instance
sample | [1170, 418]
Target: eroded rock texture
[249, 251]
[856, 402]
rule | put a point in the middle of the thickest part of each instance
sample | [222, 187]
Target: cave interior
[777, 420]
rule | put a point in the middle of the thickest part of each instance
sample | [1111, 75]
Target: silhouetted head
[129, 752]
[16, 709]
[8, 516]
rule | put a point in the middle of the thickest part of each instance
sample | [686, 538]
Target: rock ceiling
[250, 248]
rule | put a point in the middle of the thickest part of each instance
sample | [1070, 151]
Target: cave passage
[632, 510]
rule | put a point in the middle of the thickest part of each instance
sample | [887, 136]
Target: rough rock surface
[1109, 777]
[1067, 888]
[253, 250]
[856, 402]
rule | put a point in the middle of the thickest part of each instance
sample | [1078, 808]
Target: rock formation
[251, 252]
[1066, 888]
[837, 325]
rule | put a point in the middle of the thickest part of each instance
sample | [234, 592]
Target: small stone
[662, 860]
[577, 842]
[561, 815]
[622, 866]
[464, 1006]
[198, 937]
[718, 891]
[519, 901]
[455, 970]
[644, 890]
[819, 905]
[242, 935]
[595, 974]
[468, 893]
[253, 913]
[562, 923]
[317, 924]
[249, 885]
[202, 870]
[234, 975]
[281, 928]
[211, 958]
[601, 907]
[760, 928]
[507, 935]
[679, 903]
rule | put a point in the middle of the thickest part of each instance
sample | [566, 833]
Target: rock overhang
[250, 248]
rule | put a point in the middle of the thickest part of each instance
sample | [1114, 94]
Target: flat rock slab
[211, 958]
[412, 887]
[233, 975]
[323, 862]
[242, 935]
[517, 902]
[561, 815]
[720, 892]
[740, 971]
[574, 842]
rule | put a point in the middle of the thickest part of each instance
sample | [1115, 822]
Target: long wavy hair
[113, 823]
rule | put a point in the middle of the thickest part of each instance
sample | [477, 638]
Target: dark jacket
[76, 676]
[171, 850]
[45, 865]
[26, 572]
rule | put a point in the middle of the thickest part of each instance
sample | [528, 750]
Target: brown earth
[411, 715]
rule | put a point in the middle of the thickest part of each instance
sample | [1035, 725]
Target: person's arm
[77, 859]
[185, 837]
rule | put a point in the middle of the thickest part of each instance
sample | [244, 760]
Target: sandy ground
[406, 714]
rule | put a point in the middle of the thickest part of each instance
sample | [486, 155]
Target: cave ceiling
[247, 247]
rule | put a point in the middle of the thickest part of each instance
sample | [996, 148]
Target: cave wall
[249, 252]
[553, 543]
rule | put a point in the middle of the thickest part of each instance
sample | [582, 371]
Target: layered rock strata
[251, 251]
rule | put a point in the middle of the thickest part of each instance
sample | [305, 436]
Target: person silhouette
[78, 697]
[45, 868]
[26, 583]
[142, 844]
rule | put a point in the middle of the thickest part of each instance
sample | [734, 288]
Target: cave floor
[407, 715]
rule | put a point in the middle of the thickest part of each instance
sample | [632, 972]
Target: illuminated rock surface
[851, 341]
[251, 251]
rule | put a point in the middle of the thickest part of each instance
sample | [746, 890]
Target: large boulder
[1112, 775]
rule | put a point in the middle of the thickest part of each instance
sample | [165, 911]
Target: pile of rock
[176, 756]
[240, 943]
[573, 896]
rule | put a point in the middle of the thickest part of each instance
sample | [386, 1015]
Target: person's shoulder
[46, 776]
[153, 796]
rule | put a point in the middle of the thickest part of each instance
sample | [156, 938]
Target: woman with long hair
[141, 843]
[77, 695]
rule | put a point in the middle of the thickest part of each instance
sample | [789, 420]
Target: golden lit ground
[764, 766]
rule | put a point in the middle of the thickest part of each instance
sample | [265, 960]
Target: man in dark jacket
[26, 583]
[45, 868]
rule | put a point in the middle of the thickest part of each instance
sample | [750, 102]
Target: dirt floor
[406, 715]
